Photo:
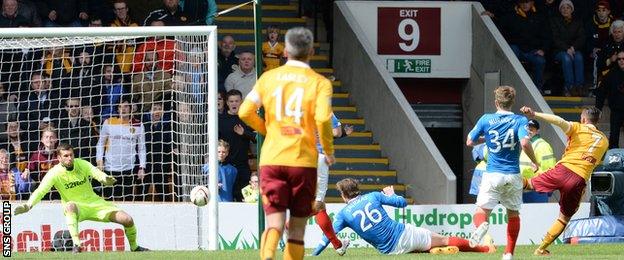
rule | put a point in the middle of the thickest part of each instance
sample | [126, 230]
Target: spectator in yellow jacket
[250, 192]
[546, 158]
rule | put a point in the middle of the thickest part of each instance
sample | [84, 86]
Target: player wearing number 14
[297, 105]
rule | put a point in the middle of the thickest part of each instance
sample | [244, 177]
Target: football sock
[513, 228]
[322, 219]
[131, 233]
[72, 223]
[294, 250]
[479, 218]
[464, 246]
[268, 243]
[554, 232]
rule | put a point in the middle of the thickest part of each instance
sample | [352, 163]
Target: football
[200, 195]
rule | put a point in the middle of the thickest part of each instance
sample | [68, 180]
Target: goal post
[168, 73]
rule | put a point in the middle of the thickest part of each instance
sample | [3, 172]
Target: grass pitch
[587, 251]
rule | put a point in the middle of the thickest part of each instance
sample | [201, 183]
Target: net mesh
[134, 106]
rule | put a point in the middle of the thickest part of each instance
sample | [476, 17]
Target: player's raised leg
[121, 217]
[71, 218]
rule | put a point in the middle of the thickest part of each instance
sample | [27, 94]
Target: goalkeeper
[72, 178]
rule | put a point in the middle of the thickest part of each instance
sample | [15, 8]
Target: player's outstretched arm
[100, 176]
[44, 187]
[391, 199]
[553, 119]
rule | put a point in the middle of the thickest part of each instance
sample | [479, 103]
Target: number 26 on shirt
[293, 104]
[372, 215]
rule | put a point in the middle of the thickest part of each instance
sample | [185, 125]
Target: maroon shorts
[284, 187]
[570, 185]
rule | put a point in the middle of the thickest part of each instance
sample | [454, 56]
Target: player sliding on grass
[72, 178]
[365, 215]
[585, 149]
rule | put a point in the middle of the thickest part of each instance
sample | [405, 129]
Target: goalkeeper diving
[72, 178]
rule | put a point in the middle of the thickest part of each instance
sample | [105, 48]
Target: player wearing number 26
[585, 149]
[365, 215]
[297, 105]
[504, 133]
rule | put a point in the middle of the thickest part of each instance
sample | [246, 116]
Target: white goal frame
[211, 31]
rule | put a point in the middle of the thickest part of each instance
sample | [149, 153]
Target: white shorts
[496, 188]
[322, 178]
[412, 239]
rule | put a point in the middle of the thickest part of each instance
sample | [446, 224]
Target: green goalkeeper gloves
[21, 209]
[109, 181]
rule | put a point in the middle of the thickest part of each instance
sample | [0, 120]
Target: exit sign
[409, 31]
[408, 65]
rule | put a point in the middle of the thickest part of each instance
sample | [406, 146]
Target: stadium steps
[357, 156]
[570, 109]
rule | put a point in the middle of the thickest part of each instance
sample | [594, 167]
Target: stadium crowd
[567, 46]
[124, 105]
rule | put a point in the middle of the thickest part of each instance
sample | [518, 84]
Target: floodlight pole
[259, 138]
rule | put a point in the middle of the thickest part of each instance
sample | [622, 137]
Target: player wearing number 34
[72, 178]
[503, 133]
[365, 215]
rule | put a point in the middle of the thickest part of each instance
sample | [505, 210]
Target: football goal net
[138, 102]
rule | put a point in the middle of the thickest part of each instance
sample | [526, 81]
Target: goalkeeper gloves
[21, 209]
[109, 181]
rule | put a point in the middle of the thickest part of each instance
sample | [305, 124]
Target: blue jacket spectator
[226, 178]
[111, 92]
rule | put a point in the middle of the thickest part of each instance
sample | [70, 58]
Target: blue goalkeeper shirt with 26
[366, 216]
[502, 132]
